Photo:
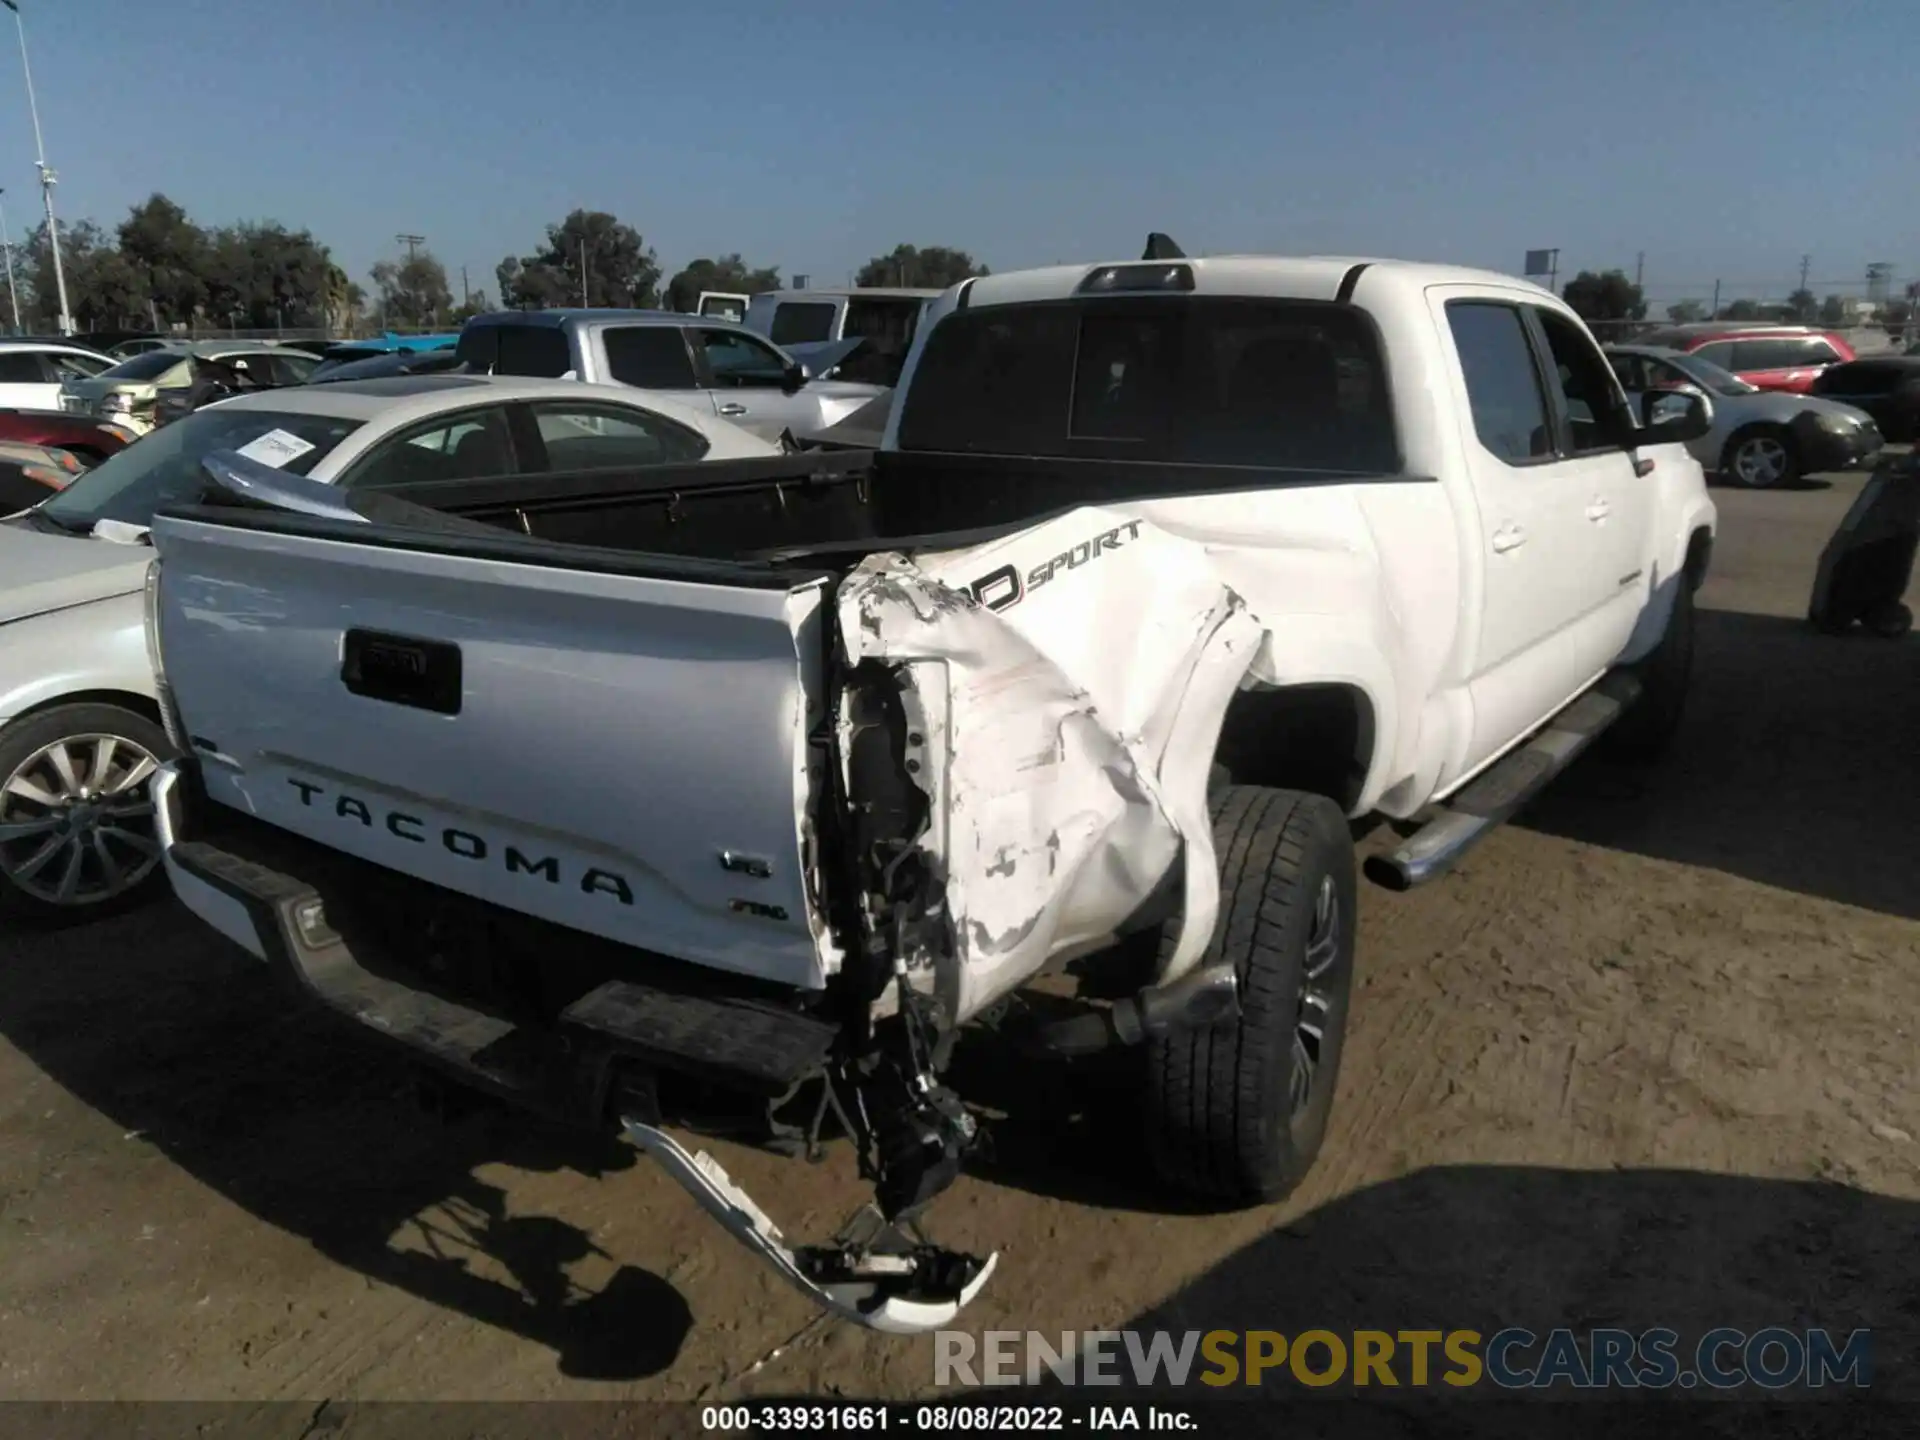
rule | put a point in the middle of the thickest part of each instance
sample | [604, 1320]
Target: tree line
[158, 268]
[1608, 297]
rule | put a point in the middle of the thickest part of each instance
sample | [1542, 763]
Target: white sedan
[79, 726]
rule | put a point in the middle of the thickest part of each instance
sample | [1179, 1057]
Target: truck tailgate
[616, 752]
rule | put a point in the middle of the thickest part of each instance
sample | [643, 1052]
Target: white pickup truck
[728, 800]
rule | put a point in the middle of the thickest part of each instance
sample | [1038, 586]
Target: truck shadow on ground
[1483, 1248]
[306, 1125]
[1069, 1129]
[1796, 766]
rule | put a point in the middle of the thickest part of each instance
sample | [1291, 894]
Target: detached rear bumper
[598, 1062]
[594, 1062]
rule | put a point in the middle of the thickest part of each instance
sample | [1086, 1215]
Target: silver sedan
[1762, 439]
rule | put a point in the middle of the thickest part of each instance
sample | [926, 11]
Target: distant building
[1879, 281]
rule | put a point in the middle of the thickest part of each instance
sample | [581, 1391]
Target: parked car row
[727, 366]
[128, 392]
[1759, 438]
[1766, 356]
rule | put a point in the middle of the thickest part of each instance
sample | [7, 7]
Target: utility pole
[466, 295]
[585, 304]
[1716, 301]
[47, 177]
[1639, 268]
[7, 243]
[1806, 264]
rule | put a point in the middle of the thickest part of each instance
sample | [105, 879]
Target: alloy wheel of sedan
[1760, 461]
[76, 820]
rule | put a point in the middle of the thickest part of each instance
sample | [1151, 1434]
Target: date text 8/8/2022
[957, 1415]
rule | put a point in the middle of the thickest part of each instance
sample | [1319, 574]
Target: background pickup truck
[747, 380]
[727, 797]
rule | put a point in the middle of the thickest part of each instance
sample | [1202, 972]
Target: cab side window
[1503, 384]
[739, 361]
[536, 350]
[653, 357]
[22, 367]
[1595, 410]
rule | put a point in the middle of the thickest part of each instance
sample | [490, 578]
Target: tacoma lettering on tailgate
[464, 843]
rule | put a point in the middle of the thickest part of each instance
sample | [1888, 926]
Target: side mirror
[1674, 417]
[793, 377]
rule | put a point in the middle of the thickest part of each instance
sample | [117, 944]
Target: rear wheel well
[1699, 555]
[1314, 738]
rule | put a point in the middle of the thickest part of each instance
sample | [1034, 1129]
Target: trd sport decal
[1003, 588]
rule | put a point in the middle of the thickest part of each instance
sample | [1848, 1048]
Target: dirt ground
[1646, 1060]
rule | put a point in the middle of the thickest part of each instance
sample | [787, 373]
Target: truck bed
[823, 509]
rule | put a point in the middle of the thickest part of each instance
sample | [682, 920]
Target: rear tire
[1895, 622]
[76, 781]
[1761, 457]
[1647, 728]
[1237, 1111]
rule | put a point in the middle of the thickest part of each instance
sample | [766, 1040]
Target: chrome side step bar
[1492, 798]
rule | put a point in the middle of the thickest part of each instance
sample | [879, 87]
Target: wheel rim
[1317, 996]
[1761, 460]
[76, 820]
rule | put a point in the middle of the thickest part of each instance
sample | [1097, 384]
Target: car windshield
[164, 468]
[1705, 372]
[149, 366]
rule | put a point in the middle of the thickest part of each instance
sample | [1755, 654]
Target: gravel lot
[1646, 1060]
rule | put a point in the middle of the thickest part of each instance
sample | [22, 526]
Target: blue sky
[1722, 138]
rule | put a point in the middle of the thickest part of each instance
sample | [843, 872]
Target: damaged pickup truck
[727, 798]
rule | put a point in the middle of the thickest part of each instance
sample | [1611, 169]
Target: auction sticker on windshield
[276, 448]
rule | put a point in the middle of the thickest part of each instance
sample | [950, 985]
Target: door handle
[733, 407]
[1598, 511]
[1508, 537]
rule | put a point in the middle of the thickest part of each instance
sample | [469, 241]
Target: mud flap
[902, 1290]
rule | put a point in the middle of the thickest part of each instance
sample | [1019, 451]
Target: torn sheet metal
[862, 1302]
[1088, 663]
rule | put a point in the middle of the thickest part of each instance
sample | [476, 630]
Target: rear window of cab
[1194, 380]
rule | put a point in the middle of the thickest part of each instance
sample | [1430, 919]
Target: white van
[723, 305]
[884, 318]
